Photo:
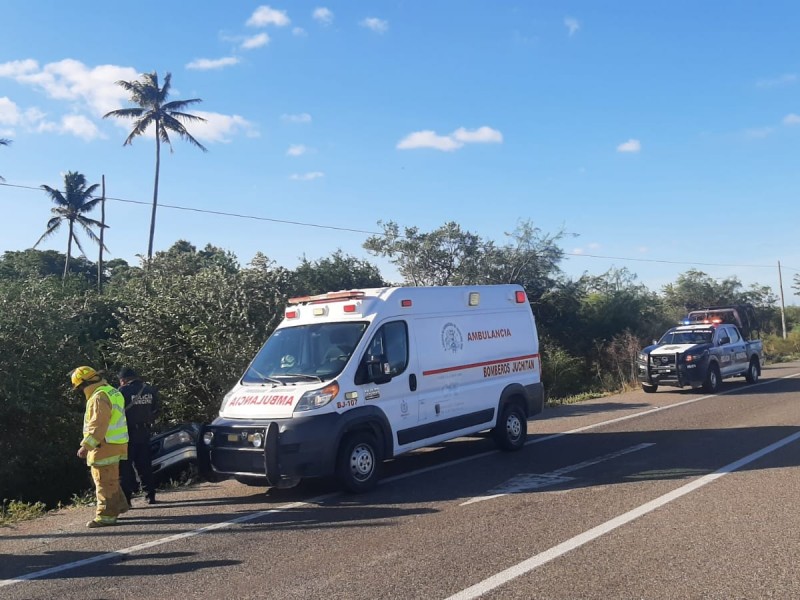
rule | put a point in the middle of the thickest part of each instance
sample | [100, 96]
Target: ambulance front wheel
[358, 463]
[511, 430]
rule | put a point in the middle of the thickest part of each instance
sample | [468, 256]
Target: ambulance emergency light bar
[473, 299]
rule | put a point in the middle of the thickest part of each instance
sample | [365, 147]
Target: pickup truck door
[725, 351]
[739, 348]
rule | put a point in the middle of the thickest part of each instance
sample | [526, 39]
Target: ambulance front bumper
[276, 450]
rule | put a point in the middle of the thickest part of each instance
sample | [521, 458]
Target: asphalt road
[669, 495]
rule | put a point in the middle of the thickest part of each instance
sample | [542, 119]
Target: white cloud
[448, 143]
[297, 150]
[782, 80]
[299, 32]
[71, 80]
[572, 25]
[577, 251]
[298, 118]
[9, 112]
[758, 133]
[307, 176]
[630, 146]
[207, 64]
[17, 68]
[323, 15]
[91, 93]
[264, 15]
[221, 128]
[79, 126]
[482, 135]
[428, 139]
[256, 41]
[375, 24]
[791, 119]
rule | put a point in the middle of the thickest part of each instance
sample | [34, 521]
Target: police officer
[104, 443]
[141, 409]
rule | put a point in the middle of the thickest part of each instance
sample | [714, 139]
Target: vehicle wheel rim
[362, 462]
[713, 379]
[513, 427]
[753, 373]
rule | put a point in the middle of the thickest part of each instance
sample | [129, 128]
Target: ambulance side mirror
[378, 369]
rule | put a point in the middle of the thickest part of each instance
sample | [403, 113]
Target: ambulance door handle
[412, 382]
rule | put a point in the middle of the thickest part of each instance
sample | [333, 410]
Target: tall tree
[153, 109]
[71, 206]
[4, 142]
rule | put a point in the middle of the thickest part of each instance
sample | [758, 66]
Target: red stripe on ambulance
[515, 364]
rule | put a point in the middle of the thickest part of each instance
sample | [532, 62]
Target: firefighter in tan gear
[104, 443]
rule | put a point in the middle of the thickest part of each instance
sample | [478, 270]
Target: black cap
[127, 373]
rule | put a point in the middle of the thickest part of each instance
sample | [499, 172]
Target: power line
[380, 233]
[218, 212]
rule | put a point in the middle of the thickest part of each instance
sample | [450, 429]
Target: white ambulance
[354, 377]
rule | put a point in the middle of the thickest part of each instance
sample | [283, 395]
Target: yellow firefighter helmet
[82, 375]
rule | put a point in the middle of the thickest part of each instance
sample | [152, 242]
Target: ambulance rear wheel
[358, 463]
[511, 430]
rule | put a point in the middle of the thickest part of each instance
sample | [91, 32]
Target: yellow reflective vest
[105, 429]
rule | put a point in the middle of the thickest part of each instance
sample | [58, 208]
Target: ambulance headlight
[258, 440]
[208, 437]
[317, 398]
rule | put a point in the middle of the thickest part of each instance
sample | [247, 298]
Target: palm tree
[167, 117]
[4, 142]
[71, 205]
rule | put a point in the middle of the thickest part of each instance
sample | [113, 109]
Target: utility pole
[102, 228]
[783, 308]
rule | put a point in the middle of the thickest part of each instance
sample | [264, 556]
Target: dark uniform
[141, 409]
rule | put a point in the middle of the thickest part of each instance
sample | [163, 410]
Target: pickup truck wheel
[511, 430]
[711, 383]
[358, 463]
[752, 371]
[649, 389]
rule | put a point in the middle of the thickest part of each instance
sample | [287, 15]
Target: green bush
[777, 349]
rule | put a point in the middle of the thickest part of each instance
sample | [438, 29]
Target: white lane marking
[256, 515]
[579, 540]
[159, 542]
[526, 482]
[554, 436]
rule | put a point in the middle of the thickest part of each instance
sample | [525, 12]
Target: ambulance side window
[388, 345]
[396, 346]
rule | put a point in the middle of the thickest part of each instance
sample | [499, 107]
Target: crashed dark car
[174, 451]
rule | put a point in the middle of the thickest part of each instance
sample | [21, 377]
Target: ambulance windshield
[305, 352]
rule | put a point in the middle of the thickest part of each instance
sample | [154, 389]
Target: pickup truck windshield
[305, 352]
[695, 336]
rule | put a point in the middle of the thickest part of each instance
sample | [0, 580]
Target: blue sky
[654, 131]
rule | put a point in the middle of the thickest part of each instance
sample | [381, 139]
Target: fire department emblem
[452, 340]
